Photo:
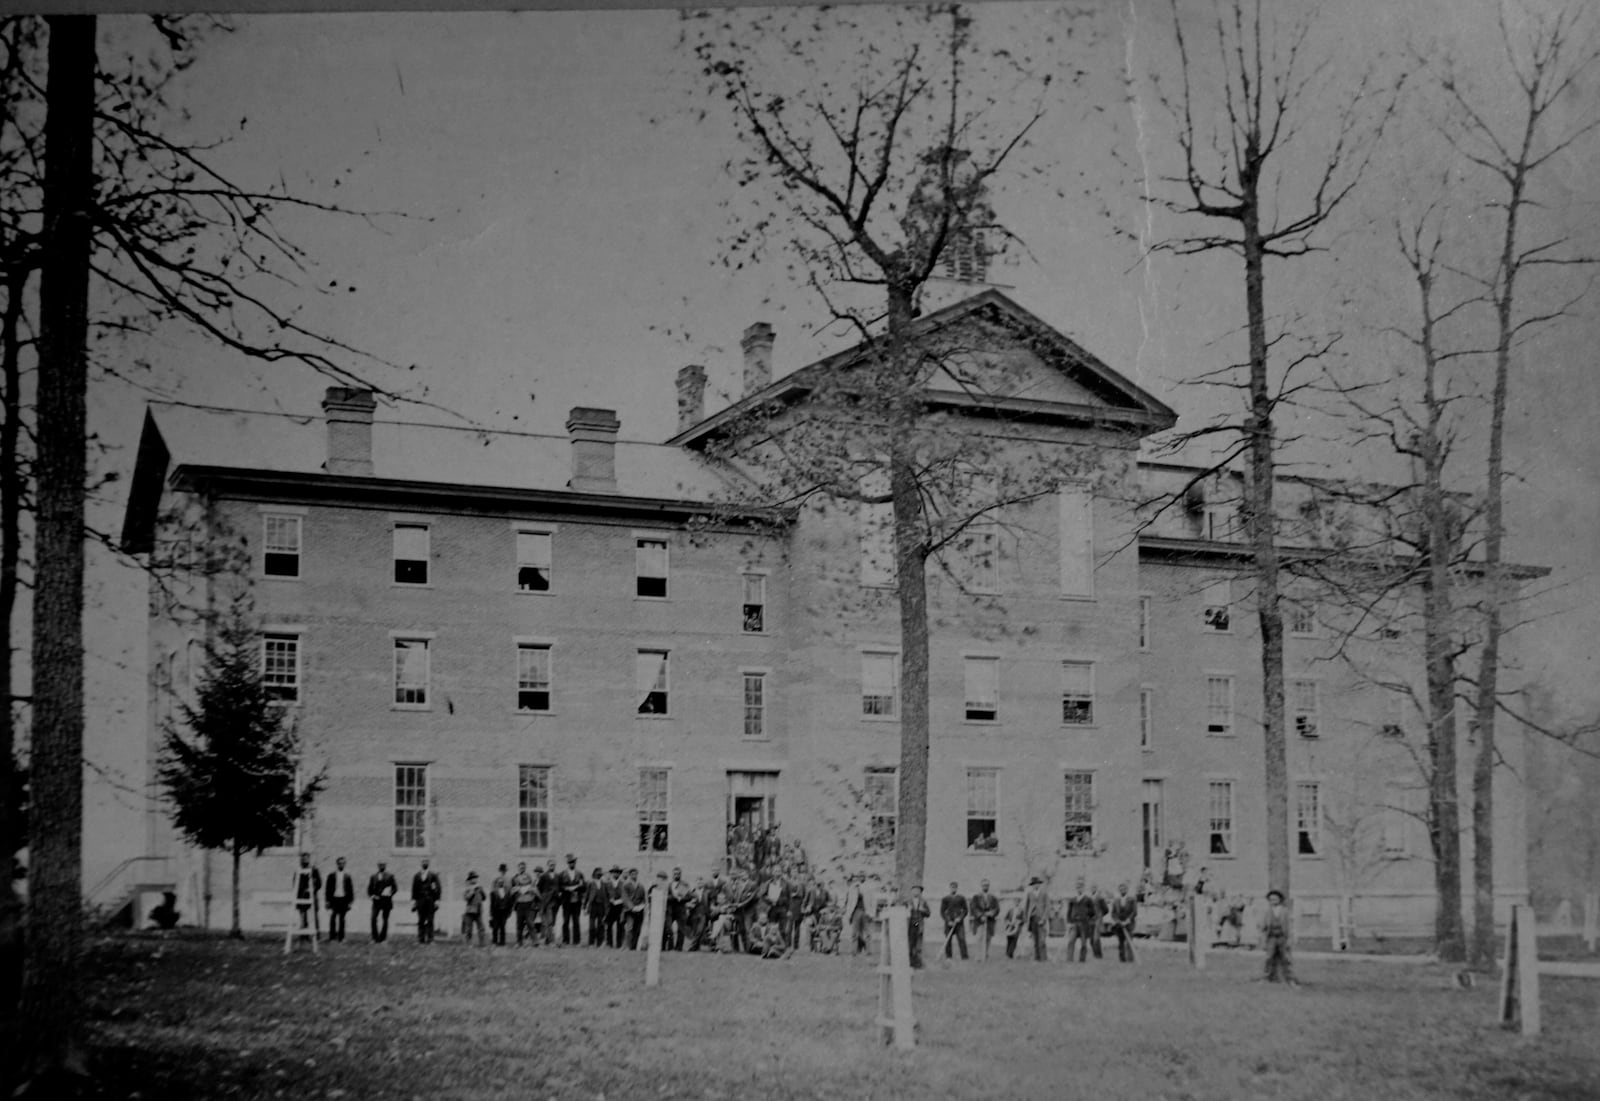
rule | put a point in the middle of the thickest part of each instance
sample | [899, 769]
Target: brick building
[506, 647]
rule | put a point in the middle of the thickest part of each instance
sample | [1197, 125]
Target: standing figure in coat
[857, 912]
[1036, 916]
[381, 889]
[1275, 939]
[1083, 914]
[594, 907]
[572, 891]
[984, 910]
[341, 896]
[1124, 913]
[917, 914]
[307, 885]
[523, 895]
[500, 907]
[426, 891]
[953, 912]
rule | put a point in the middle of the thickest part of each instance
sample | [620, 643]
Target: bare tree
[1548, 59]
[871, 179]
[1235, 169]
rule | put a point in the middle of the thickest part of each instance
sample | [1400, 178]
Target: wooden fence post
[658, 925]
[894, 984]
[1519, 976]
[1591, 918]
[1197, 938]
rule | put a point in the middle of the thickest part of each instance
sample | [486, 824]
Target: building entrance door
[752, 816]
[1150, 818]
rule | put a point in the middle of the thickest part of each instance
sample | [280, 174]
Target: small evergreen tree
[228, 770]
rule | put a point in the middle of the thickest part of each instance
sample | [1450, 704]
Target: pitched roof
[1095, 394]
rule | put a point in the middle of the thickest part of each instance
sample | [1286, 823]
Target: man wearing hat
[522, 898]
[1275, 939]
[500, 907]
[472, 911]
[426, 891]
[1036, 916]
[953, 912]
[381, 889]
[570, 883]
[616, 909]
[985, 908]
[594, 905]
[633, 899]
[857, 910]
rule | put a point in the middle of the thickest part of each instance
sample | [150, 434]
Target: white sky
[565, 202]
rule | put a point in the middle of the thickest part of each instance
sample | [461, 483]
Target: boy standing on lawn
[1275, 939]
[918, 913]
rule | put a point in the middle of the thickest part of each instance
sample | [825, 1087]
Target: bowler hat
[1275, 893]
[615, 870]
[1035, 879]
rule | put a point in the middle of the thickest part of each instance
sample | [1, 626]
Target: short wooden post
[1519, 975]
[658, 925]
[894, 982]
[1197, 938]
[1591, 918]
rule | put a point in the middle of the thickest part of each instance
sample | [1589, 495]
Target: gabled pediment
[1001, 360]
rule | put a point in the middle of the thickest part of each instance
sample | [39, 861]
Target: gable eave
[146, 487]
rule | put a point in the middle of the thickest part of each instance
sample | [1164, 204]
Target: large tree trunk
[911, 583]
[1438, 627]
[236, 930]
[51, 998]
[1264, 544]
[11, 825]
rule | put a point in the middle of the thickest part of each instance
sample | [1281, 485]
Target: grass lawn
[197, 1016]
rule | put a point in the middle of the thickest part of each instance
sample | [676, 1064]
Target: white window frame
[1304, 699]
[397, 639]
[1070, 808]
[660, 684]
[755, 713]
[973, 773]
[1226, 718]
[426, 528]
[753, 582]
[1146, 605]
[1075, 697]
[652, 815]
[1216, 607]
[1294, 625]
[292, 635]
[529, 808]
[644, 544]
[1221, 826]
[974, 708]
[530, 561]
[411, 814]
[893, 698]
[882, 801]
[536, 646]
[1308, 834]
[1075, 503]
[268, 519]
[1147, 718]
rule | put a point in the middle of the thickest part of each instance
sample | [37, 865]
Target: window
[1399, 809]
[1219, 705]
[1303, 707]
[654, 799]
[650, 567]
[1308, 818]
[280, 543]
[1393, 723]
[983, 689]
[280, 667]
[1147, 718]
[755, 603]
[1077, 693]
[411, 672]
[411, 549]
[650, 681]
[533, 807]
[880, 685]
[533, 561]
[876, 522]
[1221, 818]
[1144, 623]
[533, 677]
[411, 806]
[1079, 835]
[1215, 600]
[883, 801]
[1077, 541]
[755, 705]
[983, 809]
[982, 544]
[1152, 823]
[1301, 617]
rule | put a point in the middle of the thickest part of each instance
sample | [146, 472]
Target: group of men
[1086, 914]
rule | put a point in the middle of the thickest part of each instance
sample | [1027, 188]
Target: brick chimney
[594, 449]
[348, 412]
[691, 396]
[757, 345]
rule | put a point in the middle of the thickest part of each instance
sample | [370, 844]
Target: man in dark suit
[381, 889]
[341, 894]
[1124, 914]
[426, 891]
[549, 900]
[953, 912]
[1036, 916]
[676, 929]
[500, 907]
[616, 910]
[633, 899]
[523, 894]
[985, 908]
[857, 912]
[307, 884]
[571, 886]
[1083, 914]
[594, 905]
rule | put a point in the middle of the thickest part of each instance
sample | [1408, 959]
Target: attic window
[964, 257]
